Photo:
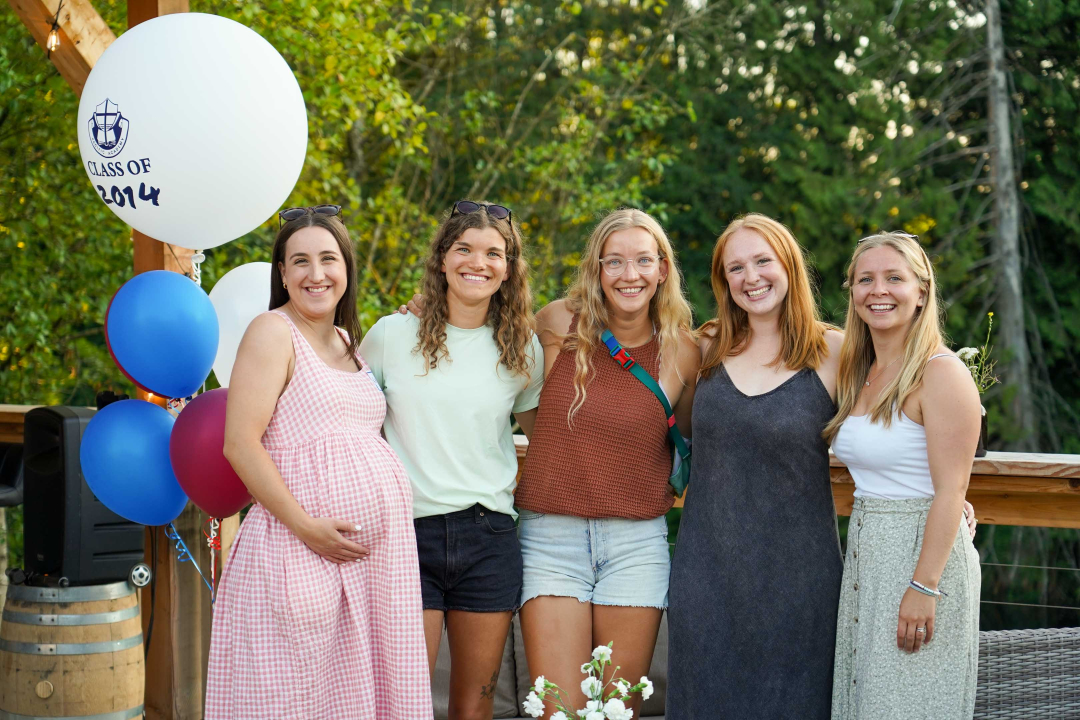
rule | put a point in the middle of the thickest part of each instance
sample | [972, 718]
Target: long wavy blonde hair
[510, 312]
[802, 332]
[923, 338]
[668, 309]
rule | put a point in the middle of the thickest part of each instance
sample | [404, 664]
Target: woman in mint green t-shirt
[452, 379]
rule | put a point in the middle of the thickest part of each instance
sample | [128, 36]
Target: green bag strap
[619, 354]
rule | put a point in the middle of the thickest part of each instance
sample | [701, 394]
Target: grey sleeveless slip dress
[755, 580]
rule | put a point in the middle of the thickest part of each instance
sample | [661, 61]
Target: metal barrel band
[118, 715]
[106, 618]
[89, 593]
[26, 648]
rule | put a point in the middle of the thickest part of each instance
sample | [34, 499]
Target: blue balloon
[162, 331]
[125, 460]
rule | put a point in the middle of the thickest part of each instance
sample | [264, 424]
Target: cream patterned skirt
[872, 678]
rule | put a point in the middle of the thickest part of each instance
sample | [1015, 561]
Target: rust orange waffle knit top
[616, 461]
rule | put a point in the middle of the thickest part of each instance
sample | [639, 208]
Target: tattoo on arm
[487, 692]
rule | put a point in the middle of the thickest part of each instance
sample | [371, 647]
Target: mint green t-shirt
[451, 427]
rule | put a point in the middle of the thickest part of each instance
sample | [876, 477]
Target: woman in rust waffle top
[594, 490]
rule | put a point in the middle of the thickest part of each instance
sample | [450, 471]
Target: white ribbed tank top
[886, 462]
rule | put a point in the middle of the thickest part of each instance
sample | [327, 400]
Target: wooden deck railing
[1006, 488]
[1033, 489]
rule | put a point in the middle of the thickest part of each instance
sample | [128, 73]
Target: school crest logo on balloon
[108, 129]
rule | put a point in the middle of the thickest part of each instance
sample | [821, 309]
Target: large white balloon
[192, 129]
[238, 297]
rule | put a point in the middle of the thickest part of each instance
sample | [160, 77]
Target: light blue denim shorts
[609, 561]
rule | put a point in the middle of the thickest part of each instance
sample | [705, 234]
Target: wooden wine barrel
[71, 653]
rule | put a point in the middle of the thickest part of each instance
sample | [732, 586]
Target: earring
[284, 285]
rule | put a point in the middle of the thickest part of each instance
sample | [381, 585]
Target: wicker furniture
[1030, 674]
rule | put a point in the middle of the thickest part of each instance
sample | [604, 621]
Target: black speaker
[67, 531]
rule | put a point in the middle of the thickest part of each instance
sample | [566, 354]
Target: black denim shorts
[469, 560]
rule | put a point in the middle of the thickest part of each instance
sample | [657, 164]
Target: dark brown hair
[345, 316]
[510, 312]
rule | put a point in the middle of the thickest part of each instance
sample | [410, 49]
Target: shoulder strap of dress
[934, 357]
[300, 343]
[360, 365]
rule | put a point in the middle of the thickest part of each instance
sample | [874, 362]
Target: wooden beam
[84, 36]
[11, 423]
[150, 254]
[139, 11]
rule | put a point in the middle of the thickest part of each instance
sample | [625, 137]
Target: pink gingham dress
[297, 637]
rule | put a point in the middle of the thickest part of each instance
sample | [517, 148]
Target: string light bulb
[53, 41]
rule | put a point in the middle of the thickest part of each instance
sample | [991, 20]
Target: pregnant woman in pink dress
[319, 611]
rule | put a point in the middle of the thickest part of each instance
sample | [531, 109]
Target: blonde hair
[923, 338]
[509, 313]
[802, 333]
[668, 309]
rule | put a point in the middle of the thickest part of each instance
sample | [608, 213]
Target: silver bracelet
[916, 585]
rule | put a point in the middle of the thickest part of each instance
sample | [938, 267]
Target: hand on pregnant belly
[327, 538]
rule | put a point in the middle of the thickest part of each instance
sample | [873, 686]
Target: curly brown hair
[510, 312]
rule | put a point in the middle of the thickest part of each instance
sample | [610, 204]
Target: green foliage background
[839, 118]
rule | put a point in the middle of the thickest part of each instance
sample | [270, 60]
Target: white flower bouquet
[978, 360]
[606, 699]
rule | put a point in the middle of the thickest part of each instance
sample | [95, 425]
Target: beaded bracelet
[916, 585]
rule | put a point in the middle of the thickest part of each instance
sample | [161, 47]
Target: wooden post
[180, 645]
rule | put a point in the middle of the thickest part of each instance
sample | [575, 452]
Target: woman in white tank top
[908, 422]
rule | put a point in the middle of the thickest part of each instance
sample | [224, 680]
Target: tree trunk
[1006, 245]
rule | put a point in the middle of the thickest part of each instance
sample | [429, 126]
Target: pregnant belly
[361, 482]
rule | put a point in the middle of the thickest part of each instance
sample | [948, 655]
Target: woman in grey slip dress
[755, 579]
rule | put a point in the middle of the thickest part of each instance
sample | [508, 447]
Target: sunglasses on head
[290, 214]
[905, 235]
[467, 207]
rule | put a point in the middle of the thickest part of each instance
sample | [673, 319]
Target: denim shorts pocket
[529, 515]
[498, 523]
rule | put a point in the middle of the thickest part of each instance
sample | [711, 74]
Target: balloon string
[184, 555]
[213, 541]
[196, 267]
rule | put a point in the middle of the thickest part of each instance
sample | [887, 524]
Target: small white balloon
[192, 129]
[238, 297]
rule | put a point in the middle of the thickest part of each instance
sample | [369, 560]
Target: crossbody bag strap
[619, 354]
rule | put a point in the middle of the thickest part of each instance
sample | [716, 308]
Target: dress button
[856, 587]
[855, 553]
[856, 618]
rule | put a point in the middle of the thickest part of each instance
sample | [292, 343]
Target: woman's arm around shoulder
[373, 346]
[828, 370]
[527, 402]
[688, 362]
[552, 325]
[553, 322]
[706, 337]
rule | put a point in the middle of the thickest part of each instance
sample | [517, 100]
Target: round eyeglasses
[615, 265]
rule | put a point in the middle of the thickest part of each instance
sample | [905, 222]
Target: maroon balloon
[196, 450]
